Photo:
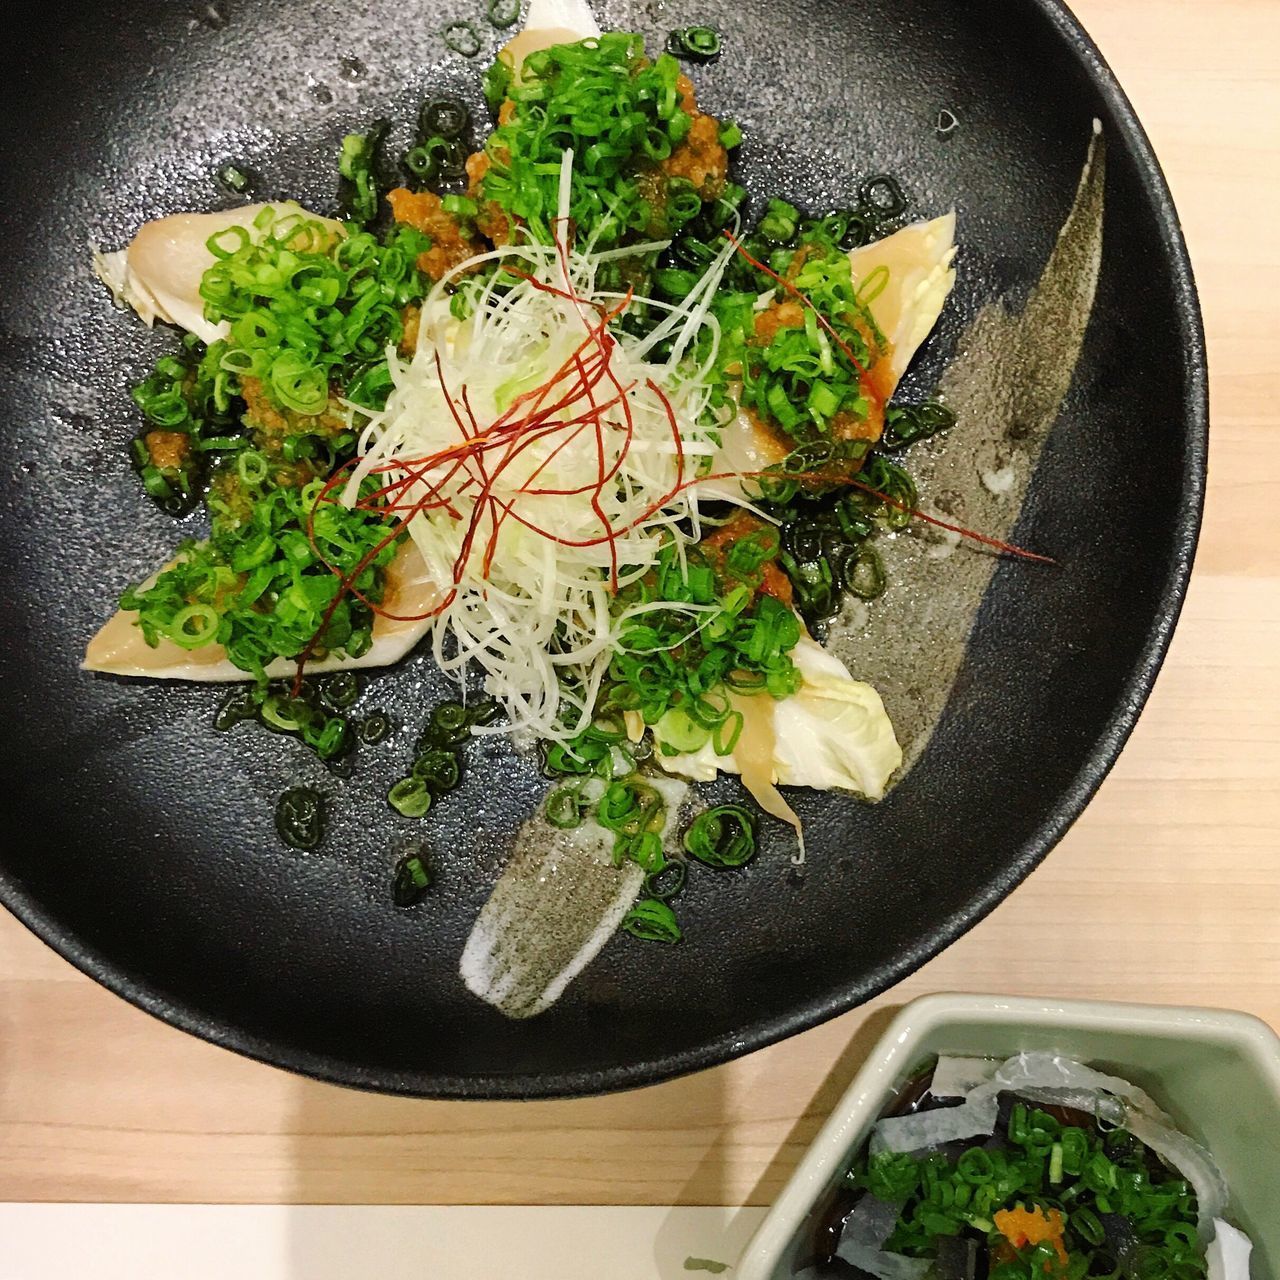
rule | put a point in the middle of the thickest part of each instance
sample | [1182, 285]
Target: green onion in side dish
[1052, 1192]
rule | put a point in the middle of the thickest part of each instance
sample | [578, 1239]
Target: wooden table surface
[1168, 887]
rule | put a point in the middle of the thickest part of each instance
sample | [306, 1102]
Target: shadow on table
[662, 1145]
[714, 1168]
[671, 1144]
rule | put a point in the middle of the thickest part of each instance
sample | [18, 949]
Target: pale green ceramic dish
[1216, 1072]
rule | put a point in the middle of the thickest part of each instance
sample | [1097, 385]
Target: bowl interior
[154, 864]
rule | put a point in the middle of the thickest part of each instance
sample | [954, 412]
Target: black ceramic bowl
[140, 845]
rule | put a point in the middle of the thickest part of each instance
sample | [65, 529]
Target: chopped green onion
[502, 13]
[1086, 1224]
[722, 837]
[496, 83]
[676, 283]
[193, 626]
[233, 178]
[449, 725]
[873, 286]
[779, 222]
[605, 729]
[483, 711]
[889, 479]
[863, 574]
[562, 760]
[883, 194]
[644, 849]
[236, 707]
[439, 769]
[374, 727]
[443, 118]
[667, 881]
[285, 714]
[437, 158]
[421, 162]
[356, 163]
[329, 738]
[724, 737]
[906, 424]
[681, 734]
[252, 467]
[631, 807]
[410, 797]
[565, 807]
[683, 200]
[460, 206]
[652, 921]
[695, 44]
[340, 690]
[1075, 1150]
[976, 1166]
[411, 880]
[730, 135]
[462, 38]
[300, 818]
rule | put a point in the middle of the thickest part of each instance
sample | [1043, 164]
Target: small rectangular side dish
[1115, 1163]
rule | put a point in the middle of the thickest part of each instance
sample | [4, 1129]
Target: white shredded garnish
[540, 459]
[1227, 1257]
[954, 1077]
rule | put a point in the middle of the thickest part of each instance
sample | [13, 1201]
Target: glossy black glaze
[140, 844]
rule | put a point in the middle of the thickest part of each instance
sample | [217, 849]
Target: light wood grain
[1168, 889]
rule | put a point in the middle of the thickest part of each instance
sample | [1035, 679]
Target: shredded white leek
[465, 431]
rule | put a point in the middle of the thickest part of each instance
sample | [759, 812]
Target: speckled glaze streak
[1013, 367]
[558, 900]
[140, 844]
